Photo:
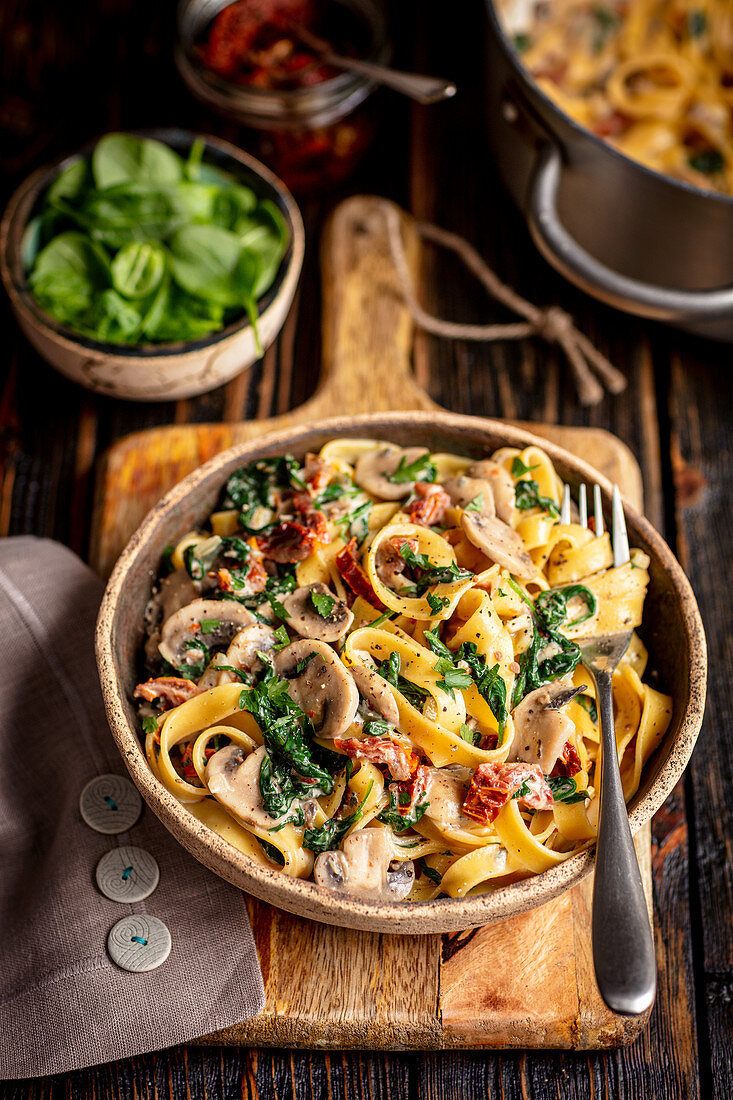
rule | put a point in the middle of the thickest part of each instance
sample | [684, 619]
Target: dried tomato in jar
[308, 121]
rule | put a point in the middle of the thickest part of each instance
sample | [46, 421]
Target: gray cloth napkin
[63, 1002]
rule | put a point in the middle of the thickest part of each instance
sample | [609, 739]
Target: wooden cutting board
[524, 982]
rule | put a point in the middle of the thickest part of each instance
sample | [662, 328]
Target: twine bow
[552, 323]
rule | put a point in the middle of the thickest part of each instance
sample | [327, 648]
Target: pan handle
[565, 254]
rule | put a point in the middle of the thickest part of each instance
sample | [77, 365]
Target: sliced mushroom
[234, 780]
[224, 619]
[446, 791]
[377, 693]
[541, 727]
[366, 868]
[502, 486]
[242, 653]
[307, 621]
[391, 565]
[323, 687]
[174, 592]
[373, 470]
[499, 542]
[464, 490]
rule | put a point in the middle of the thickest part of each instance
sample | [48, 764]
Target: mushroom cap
[446, 791]
[463, 489]
[541, 732]
[363, 867]
[234, 780]
[174, 592]
[242, 653]
[306, 621]
[502, 485]
[499, 543]
[185, 626]
[324, 689]
[377, 692]
[373, 469]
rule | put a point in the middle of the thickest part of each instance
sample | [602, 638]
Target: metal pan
[633, 238]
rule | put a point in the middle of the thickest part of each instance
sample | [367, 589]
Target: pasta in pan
[653, 77]
[366, 670]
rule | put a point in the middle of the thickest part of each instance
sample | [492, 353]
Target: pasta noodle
[653, 77]
[350, 670]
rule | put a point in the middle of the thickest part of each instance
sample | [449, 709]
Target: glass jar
[311, 136]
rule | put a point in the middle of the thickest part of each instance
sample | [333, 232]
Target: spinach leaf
[124, 158]
[129, 212]
[138, 269]
[390, 670]
[565, 789]
[401, 822]
[67, 274]
[330, 834]
[527, 495]
[551, 607]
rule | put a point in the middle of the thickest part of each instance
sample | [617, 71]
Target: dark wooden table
[75, 69]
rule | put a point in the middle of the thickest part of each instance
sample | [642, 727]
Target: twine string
[551, 323]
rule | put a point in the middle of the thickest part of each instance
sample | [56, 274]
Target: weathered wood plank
[701, 408]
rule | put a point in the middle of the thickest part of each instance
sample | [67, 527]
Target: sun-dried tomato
[568, 762]
[431, 505]
[352, 571]
[253, 581]
[401, 762]
[171, 690]
[411, 791]
[493, 785]
[289, 542]
[317, 472]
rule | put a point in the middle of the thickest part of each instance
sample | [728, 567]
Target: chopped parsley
[473, 737]
[210, 626]
[323, 602]
[422, 469]
[475, 505]
[519, 469]
[282, 639]
[150, 724]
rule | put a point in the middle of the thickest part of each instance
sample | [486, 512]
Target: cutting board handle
[367, 328]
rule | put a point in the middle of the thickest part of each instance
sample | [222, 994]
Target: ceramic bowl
[672, 630]
[155, 372]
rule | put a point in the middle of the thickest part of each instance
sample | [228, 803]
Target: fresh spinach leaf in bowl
[135, 245]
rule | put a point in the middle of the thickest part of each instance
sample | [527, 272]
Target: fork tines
[619, 536]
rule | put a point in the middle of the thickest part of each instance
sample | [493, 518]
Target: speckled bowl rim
[139, 357]
[306, 898]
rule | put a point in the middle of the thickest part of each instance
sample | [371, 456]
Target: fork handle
[623, 945]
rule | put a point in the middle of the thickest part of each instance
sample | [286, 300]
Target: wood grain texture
[432, 160]
[330, 987]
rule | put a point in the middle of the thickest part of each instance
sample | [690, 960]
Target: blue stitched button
[110, 804]
[138, 943]
[127, 874]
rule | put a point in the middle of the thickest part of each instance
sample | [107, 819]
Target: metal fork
[623, 946]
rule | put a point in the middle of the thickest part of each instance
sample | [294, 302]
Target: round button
[127, 874]
[138, 943]
[110, 804]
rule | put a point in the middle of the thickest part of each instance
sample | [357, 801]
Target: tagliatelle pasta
[652, 77]
[366, 670]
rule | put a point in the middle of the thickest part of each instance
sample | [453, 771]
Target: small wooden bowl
[153, 372]
[672, 630]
